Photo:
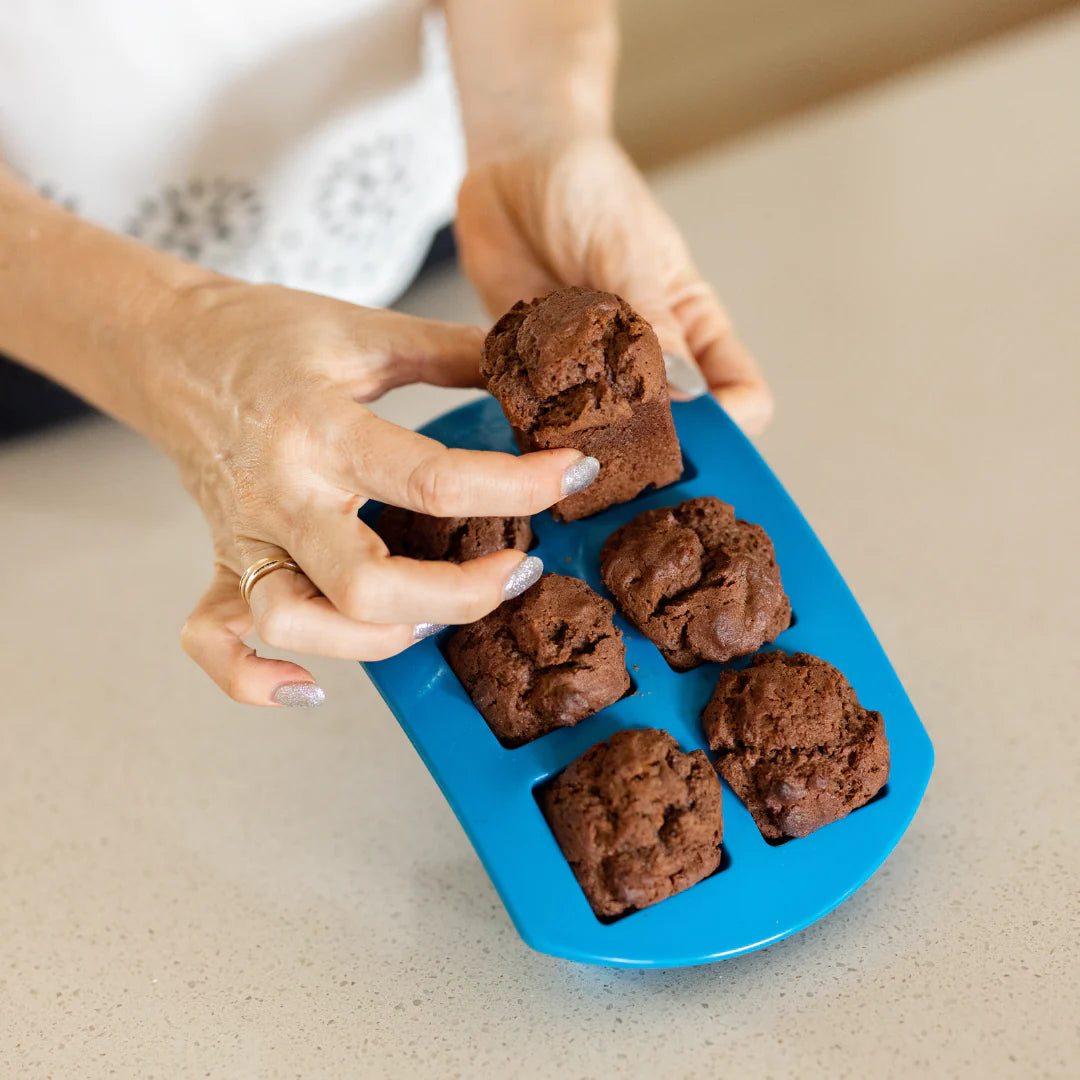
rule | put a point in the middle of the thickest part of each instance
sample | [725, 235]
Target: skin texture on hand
[268, 424]
[550, 199]
[578, 212]
[258, 392]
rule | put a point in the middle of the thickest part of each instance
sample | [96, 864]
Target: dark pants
[29, 401]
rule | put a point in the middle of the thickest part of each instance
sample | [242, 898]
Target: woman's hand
[577, 212]
[261, 405]
[257, 392]
[551, 199]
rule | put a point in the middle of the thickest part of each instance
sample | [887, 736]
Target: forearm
[90, 309]
[530, 71]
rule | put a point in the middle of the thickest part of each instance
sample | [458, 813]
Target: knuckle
[189, 635]
[766, 411]
[235, 687]
[723, 327]
[539, 489]
[381, 650]
[435, 487]
[356, 596]
[368, 386]
[275, 626]
[289, 440]
[475, 604]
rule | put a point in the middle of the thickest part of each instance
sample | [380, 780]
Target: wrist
[537, 133]
[532, 74]
[572, 109]
[136, 355]
[182, 363]
[84, 306]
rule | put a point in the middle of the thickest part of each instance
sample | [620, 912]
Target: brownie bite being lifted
[794, 743]
[637, 819]
[700, 584]
[579, 368]
[454, 539]
[545, 660]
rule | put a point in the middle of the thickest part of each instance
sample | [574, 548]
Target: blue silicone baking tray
[762, 892]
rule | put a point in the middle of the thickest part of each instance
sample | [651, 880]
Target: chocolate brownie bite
[637, 819]
[700, 584]
[580, 368]
[794, 743]
[545, 660]
[454, 539]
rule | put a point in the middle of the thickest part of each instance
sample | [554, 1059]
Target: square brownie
[547, 659]
[580, 368]
[637, 819]
[453, 539]
[794, 743]
[697, 582]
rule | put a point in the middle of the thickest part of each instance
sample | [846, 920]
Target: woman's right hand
[261, 403]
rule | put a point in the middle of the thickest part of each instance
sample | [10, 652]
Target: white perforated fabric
[315, 143]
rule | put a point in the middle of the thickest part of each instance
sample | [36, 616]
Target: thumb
[213, 637]
[685, 379]
[427, 350]
[729, 368]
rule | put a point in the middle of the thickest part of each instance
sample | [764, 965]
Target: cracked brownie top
[637, 819]
[547, 659]
[794, 743]
[575, 359]
[696, 581]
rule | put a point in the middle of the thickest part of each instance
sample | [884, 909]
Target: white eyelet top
[315, 143]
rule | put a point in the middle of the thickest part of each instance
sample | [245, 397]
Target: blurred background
[694, 72]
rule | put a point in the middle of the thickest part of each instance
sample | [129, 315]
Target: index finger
[380, 460]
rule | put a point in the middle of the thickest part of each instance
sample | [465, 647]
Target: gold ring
[258, 570]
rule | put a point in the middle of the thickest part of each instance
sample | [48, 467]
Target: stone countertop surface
[189, 888]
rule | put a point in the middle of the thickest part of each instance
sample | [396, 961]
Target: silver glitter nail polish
[300, 695]
[425, 629]
[580, 475]
[684, 376]
[526, 573]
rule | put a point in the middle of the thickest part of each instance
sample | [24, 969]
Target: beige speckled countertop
[193, 889]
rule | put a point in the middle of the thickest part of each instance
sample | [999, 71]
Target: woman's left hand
[579, 213]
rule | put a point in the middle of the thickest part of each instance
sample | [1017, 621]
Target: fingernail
[526, 574]
[300, 695]
[684, 376]
[425, 629]
[580, 475]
